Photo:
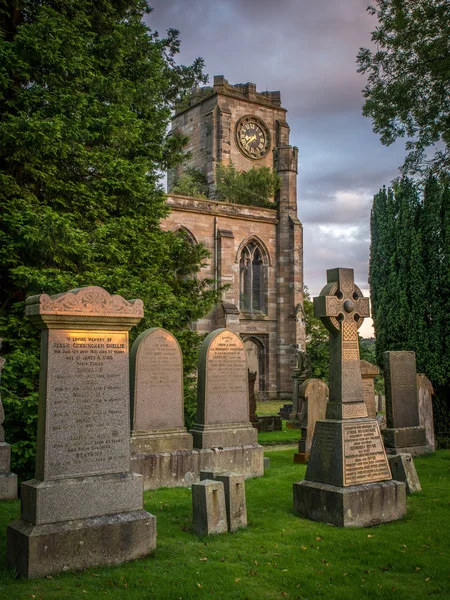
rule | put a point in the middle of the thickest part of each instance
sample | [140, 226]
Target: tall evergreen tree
[86, 92]
[409, 278]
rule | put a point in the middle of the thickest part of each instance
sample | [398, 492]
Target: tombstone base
[227, 435]
[294, 424]
[8, 486]
[182, 468]
[354, 506]
[301, 458]
[411, 440]
[164, 440]
[39, 550]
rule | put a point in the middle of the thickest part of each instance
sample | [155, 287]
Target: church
[256, 251]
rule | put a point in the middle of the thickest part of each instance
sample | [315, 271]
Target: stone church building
[257, 251]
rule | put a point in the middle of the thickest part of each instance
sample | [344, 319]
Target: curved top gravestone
[222, 379]
[222, 397]
[156, 381]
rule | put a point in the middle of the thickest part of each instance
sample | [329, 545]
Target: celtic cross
[342, 308]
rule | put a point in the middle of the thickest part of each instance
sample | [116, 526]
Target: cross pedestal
[348, 481]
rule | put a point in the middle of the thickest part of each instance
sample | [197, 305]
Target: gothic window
[252, 279]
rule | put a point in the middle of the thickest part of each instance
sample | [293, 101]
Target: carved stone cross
[342, 308]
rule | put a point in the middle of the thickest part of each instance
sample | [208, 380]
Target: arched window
[252, 279]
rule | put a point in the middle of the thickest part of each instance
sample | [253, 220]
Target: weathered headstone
[84, 507]
[348, 481]
[403, 469]
[300, 373]
[425, 397]
[313, 395]
[368, 374]
[8, 480]
[403, 432]
[208, 507]
[222, 400]
[157, 399]
[234, 488]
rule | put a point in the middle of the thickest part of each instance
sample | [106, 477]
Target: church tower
[257, 251]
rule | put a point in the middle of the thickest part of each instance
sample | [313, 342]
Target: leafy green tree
[408, 89]
[255, 187]
[191, 182]
[317, 340]
[410, 280]
[86, 93]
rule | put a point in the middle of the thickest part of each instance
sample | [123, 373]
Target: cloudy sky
[306, 49]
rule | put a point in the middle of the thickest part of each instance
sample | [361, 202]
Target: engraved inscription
[87, 408]
[158, 401]
[226, 380]
[365, 458]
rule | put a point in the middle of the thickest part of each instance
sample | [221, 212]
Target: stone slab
[266, 463]
[80, 498]
[40, 550]
[208, 507]
[223, 435]
[368, 374]
[182, 468]
[404, 437]
[425, 398]
[401, 390]
[347, 453]
[270, 423]
[156, 382]
[234, 488]
[355, 506]
[8, 486]
[403, 469]
[169, 440]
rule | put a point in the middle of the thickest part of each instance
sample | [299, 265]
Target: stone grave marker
[253, 417]
[348, 481]
[403, 469]
[368, 374]
[84, 507]
[425, 398]
[313, 394]
[157, 399]
[403, 432]
[8, 480]
[234, 488]
[208, 507]
[222, 400]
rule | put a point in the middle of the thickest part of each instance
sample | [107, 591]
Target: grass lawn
[278, 556]
[286, 436]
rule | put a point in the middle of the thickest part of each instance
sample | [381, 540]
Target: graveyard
[278, 555]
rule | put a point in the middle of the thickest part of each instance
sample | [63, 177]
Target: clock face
[252, 137]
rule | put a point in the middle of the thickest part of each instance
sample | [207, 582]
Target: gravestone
[368, 374]
[8, 480]
[234, 488]
[208, 507]
[313, 395]
[157, 398]
[403, 432]
[253, 417]
[300, 373]
[348, 482]
[84, 507]
[222, 400]
[403, 469]
[425, 398]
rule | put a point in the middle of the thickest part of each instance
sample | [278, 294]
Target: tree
[408, 90]
[86, 93]
[191, 182]
[410, 280]
[254, 187]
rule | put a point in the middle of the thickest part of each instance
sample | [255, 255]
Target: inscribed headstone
[403, 432]
[84, 492]
[222, 399]
[157, 400]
